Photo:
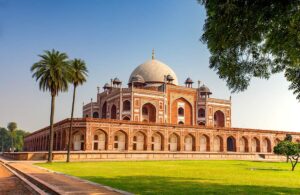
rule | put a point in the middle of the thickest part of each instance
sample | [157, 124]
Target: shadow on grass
[180, 185]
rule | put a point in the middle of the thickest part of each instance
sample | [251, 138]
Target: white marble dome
[153, 72]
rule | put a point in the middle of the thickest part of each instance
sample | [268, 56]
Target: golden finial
[153, 54]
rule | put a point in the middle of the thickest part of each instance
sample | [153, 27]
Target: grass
[188, 177]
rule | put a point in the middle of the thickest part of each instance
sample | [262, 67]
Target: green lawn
[188, 177]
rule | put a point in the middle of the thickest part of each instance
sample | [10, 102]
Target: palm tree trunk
[51, 128]
[71, 125]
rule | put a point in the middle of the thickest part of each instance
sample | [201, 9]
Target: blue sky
[113, 37]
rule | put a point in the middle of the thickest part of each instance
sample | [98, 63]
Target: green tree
[78, 77]
[253, 38]
[53, 73]
[5, 139]
[290, 149]
[12, 127]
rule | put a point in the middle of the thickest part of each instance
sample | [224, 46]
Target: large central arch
[181, 112]
[148, 113]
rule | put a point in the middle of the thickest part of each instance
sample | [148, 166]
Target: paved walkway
[10, 184]
[61, 183]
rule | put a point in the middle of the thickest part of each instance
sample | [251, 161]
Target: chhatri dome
[153, 72]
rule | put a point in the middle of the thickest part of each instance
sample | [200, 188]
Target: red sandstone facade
[154, 113]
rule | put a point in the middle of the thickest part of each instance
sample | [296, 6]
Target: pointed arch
[218, 144]
[255, 145]
[148, 113]
[126, 105]
[181, 110]
[126, 118]
[174, 142]
[244, 146]
[157, 140]
[120, 140]
[78, 140]
[204, 143]
[113, 112]
[100, 140]
[104, 110]
[189, 143]
[139, 141]
[231, 144]
[219, 119]
[266, 145]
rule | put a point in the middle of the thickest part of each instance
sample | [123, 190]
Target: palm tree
[53, 74]
[78, 77]
[12, 126]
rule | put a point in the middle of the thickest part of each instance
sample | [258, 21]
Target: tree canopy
[289, 149]
[17, 136]
[253, 38]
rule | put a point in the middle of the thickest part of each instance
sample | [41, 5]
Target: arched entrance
[100, 140]
[139, 141]
[266, 146]
[113, 112]
[255, 146]
[218, 144]
[189, 143]
[104, 110]
[174, 142]
[204, 143]
[120, 141]
[231, 145]
[181, 111]
[148, 113]
[244, 144]
[219, 119]
[78, 141]
[126, 118]
[157, 142]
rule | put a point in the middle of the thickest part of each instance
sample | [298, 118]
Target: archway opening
[218, 144]
[113, 112]
[180, 111]
[100, 140]
[189, 143]
[201, 113]
[126, 118]
[120, 141]
[174, 143]
[78, 141]
[267, 146]
[231, 145]
[204, 143]
[104, 110]
[244, 144]
[219, 119]
[255, 146]
[148, 112]
[139, 141]
[157, 142]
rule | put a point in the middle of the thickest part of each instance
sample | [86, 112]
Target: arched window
[180, 111]
[201, 113]
[126, 105]
[181, 123]
[148, 112]
[126, 118]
